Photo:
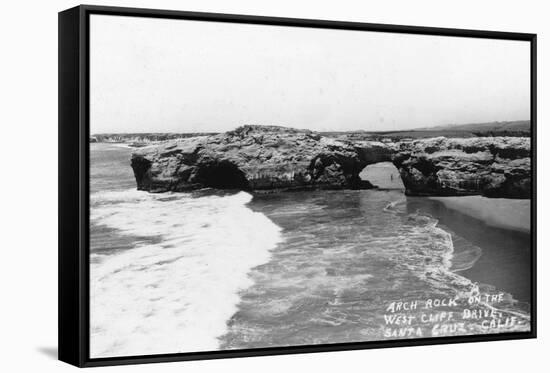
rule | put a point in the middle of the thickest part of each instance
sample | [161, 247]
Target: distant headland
[520, 128]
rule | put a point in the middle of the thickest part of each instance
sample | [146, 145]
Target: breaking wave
[175, 295]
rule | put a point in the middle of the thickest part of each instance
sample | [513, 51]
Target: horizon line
[417, 129]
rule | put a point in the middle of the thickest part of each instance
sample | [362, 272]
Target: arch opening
[222, 175]
[383, 175]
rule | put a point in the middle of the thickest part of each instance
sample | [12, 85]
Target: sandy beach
[504, 213]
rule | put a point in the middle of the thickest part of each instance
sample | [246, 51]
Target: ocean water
[185, 272]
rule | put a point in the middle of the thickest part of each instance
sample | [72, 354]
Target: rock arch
[384, 175]
[278, 158]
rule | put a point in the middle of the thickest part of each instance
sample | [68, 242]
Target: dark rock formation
[489, 166]
[256, 158]
[277, 158]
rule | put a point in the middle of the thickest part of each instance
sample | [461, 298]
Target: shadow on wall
[384, 175]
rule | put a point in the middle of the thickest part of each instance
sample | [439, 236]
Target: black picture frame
[73, 254]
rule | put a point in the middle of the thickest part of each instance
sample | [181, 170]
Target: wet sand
[493, 226]
[504, 213]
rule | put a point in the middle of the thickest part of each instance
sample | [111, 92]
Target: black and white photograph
[275, 186]
[261, 186]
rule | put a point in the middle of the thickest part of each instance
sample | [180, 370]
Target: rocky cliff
[489, 166]
[256, 158]
[278, 158]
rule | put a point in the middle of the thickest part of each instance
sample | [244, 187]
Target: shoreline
[505, 213]
[504, 259]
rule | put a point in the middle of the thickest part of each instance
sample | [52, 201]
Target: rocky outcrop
[489, 166]
[256, 158]
[272, 158]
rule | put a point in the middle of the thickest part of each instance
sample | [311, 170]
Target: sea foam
[176, 295]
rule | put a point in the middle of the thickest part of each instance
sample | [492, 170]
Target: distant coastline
[142, 139]
[520, 128]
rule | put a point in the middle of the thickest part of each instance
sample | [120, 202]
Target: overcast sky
[159, 75]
